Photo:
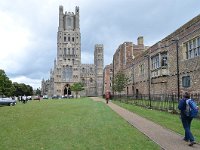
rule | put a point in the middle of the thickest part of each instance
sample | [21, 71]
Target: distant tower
[98, 62]
[67, 67]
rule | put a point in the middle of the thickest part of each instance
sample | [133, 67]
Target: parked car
[56, 97]
[36, 97]
[45, 97]
[29, 97]
[67, 96]
[7, 101]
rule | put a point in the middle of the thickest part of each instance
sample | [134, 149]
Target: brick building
[107, 78]
[154, 70]
[123, 60]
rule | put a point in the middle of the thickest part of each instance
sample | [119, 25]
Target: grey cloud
[107, 22]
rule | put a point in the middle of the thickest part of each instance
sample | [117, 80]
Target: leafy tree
[120, 81]
[18, 89]
[77, 87]
[29, 90]
[6, 87]
[22, 89]
[38, 92]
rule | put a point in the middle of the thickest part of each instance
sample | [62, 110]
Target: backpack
[191, 108]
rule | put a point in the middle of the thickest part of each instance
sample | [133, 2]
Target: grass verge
[75, 124]
[165, 119]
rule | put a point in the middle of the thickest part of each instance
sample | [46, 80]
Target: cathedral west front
[68, 68]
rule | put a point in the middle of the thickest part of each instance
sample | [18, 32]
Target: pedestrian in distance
[24, 99]
[186, 119]
[107, 96]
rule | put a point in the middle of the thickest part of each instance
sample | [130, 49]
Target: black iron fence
[163, 102]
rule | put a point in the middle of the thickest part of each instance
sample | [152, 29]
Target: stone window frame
[73, 51]
[155, 62]
[65, 52]
[142, 70]
[192, 48]
[83, 70]
[69, 21]
[164, 59]
[83, 81]
[91, 69]
[67, 73]
[186, 81]
[68, 51]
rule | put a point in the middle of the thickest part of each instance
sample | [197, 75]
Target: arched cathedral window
[65, 52]
[67, 73]
[69, 21]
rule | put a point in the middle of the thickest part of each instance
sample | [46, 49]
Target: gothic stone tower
[67, 67]
[98, 62]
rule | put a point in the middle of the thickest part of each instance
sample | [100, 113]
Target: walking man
[186, 120]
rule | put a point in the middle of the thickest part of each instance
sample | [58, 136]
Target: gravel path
[167, 139]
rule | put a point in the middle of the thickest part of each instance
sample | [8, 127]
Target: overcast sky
[28, 30]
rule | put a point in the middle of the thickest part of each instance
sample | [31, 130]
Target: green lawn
[168, 120]
[75, 124]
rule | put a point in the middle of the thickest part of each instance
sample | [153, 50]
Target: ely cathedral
[67, 68]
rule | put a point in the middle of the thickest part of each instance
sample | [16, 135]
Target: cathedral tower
[67, 67]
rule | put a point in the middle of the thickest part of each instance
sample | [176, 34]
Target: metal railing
[162, 102]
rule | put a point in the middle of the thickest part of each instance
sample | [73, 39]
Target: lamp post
[177, 68]
[149, 79]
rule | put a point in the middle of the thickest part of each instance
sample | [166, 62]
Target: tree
[6, 87]
[120, 81]
[38, 92]
[77, 87]
[29, 90]
[22, 89]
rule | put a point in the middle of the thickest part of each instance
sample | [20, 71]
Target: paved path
[167, 139]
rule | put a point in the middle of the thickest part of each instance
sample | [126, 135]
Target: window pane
[190, 45]
[194, 43]
[195, 52]
[198, 41]
[65, 53]
[155, 62]
[164, 60]
[186, 81]
[198, 51]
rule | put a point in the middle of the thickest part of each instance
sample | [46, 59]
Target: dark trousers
[186, 121]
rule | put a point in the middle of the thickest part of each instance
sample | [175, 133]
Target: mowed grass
[75, 124]
[165, 119]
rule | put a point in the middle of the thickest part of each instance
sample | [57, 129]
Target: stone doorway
[67, 90]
